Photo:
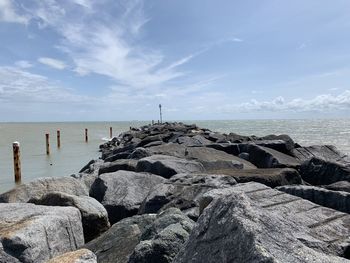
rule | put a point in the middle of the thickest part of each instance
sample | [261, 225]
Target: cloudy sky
[202, 59]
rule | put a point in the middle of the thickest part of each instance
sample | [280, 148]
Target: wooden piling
[58, 139]
[86, 135]
[17, 161]
[110, 132]
[47, 143]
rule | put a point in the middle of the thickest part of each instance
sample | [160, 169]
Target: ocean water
[75, 152]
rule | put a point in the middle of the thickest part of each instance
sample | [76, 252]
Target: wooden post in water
[86, 135]
[58, 139]
[17, 161]
[47, 143]
[110, 132]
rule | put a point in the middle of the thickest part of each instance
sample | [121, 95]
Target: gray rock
[34, 234]
[230, 148]
[163, 239]
[184, 191]
[122, 192]
[78, 256]
[339, 186]
[274, 144]
[317, 171]
[271, 177]
[319, 228]
[171, 149]
[333, 199]
[119, 242]
[327, 152]
[264, 157]
[94, 215]
[167, 166]
[139, 153]
[196, 140]
[121, 164]
[41, 186]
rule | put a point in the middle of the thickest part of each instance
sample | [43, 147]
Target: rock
[171, 149]
[150, 139]
[41, 186]
[327, 152]
[183, 191]
[78, 256]
[139, 153]
[339, 186]
[163, 239]
[275, 144]
[167, 166]
[271, 177]
[94, 215]
[119, 242]
[244, 156]
[293, 229]
[196, 140]
[333, 199]
[122, 192]
[254, 223]
[264, 157]
[6, 258]
[317, 171]
[151, 144]
[34, 234]
[121, 164]
[230, 148]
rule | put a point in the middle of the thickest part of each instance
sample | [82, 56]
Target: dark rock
[339, 186]
[167, 166]
[327, 152]
[275, 143]
[94, 215]
[254, 223]
[42, 186]
[119, 242]
[264, 157]
[78, 256]
[117, 156]
[271, 177]
[230, 148]
[163, 239]
[151, 144]
[34, 234]
[122, 192]
[184, 191]
[244, 156]
[333, 199]
[317, 171]
[196, 140]
[139, 153]
[122, 164]
[171, 149]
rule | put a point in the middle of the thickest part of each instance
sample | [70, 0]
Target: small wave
[105, 139]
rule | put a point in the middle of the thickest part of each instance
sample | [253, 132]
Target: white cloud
[322, 103]
[54, 63]
[23, 64]
[9, 14]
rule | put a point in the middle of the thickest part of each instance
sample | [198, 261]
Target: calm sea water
[75, 153]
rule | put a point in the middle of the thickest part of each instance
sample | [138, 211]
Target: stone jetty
[175, 192]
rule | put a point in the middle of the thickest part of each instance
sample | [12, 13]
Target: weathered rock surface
[121, 164]
[94, 215]
[78, 256]
[271, 176]
[327, 152]
[41, 186]
[122, 192]
[339, 186]
[196, 140]
[333, 199]
[251, 223]
[317, 171]
[183, 191]
[119, 242]
[163, 239]
[34, 234]
[167, 166]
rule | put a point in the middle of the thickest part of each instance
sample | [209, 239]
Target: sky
[115, 60]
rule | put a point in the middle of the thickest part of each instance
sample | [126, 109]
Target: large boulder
[339, 186]
[78, 256]
[318, 171]
[121, 164]
[42, 186]
[171, 149]
[183, 191]
[167, 166]
[274, 142]
[34, 234]
[333, 199]
[327, 152]
[163, 239]
[196, 140]
[254, 223]
[94, 215]
[264, 157]
[271, 176]
[119, 242]
[122, 192]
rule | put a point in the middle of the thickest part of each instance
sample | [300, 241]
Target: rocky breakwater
[179, 193]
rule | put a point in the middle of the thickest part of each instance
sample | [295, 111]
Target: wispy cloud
[23, 64]
[53, 63]
[9, 14]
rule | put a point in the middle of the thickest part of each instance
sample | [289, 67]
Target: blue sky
[117, 60]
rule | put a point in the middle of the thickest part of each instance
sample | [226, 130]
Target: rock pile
[178, 193]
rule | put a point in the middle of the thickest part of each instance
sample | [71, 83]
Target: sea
[74, 152]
